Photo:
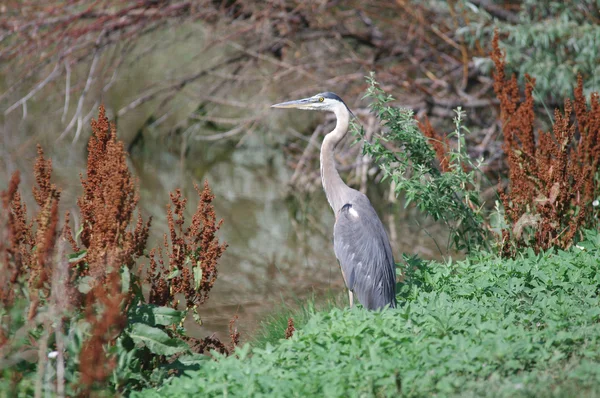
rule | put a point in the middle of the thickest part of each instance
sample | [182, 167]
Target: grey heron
[360, 241]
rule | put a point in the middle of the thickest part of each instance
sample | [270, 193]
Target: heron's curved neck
[333, 185]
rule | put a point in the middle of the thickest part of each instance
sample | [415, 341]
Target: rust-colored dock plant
[97, 290]
[551, 177]
[289, 331]
[108, 203]
[16, 241]
[46, 196]
[439, 143]
[193, 253]
[104, 312]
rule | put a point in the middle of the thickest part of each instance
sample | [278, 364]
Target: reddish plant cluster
[212, 343]
[29, 246]
[103, 311]
[106, 208]
[207, 344]
[551, 179]
[16, 238]
[47, 196]
[108, 244]
[193, 254]
[588, 150]
[440, 143]
[107, 204]
[289, 331]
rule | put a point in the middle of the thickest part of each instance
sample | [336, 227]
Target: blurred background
[189, 84]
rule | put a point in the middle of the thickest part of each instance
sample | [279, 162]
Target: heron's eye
[321, 99]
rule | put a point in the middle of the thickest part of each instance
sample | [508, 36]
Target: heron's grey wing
[363, 250]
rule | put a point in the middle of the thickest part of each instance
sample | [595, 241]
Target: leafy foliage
[406, 156]
[276, 324]
[553, 41]
[483, 326]
[552, 177]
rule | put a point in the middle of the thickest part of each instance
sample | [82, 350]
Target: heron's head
[320, 102]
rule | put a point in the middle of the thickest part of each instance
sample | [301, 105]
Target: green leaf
[79, 232]
[175, 273]
[125, 279]
[85, 284]
[167, 316]
[75, 257]
[198, 275]
[196, 316]
[153, 315]
[156, 340]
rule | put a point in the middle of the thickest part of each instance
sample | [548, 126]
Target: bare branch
[31, 93]
[77, 115]
[67, 92]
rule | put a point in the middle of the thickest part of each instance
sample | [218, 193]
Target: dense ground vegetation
[485, 326]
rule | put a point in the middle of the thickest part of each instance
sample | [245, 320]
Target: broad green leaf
[157, 340]
[85, 284]
[175, 273]
[167, 316]
[153, 315]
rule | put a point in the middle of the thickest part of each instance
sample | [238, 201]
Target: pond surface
[272, 256]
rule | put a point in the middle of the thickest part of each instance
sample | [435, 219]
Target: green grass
[484, 326]
[272, 328]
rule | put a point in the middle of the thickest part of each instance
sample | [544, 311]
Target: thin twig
[67, 91]
[31, 93]
[88, 83]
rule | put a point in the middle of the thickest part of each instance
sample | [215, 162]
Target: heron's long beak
[299, 104]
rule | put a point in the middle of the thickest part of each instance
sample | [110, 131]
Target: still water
[273, 255]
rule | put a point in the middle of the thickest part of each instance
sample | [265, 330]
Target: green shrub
[452, 195]
[272, 328]
[550, 40]
[483, 326]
